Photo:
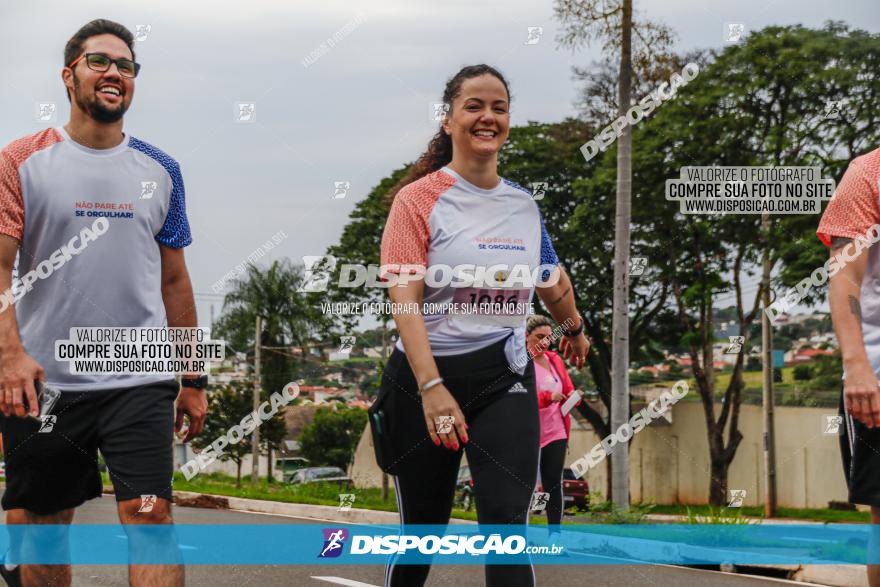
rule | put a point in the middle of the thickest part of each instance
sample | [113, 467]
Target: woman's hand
[574, 349]
[438, 405]
[557, 397]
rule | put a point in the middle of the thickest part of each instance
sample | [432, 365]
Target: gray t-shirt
[90, 223]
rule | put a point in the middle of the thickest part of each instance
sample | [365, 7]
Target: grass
[371, 498]
[310, 493]
[814, 515]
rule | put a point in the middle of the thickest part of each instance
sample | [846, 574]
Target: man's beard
[95, 109]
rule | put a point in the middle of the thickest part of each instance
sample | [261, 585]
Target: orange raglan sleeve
[11, 200]
[407, 234]
[854, 207]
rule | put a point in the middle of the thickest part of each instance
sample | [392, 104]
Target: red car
[575, 491]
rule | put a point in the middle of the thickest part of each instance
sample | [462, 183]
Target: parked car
[464, 489]
[289, 465]
[575, 491]
[321, 475]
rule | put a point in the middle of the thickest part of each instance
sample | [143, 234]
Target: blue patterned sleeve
[175, 232]
[548, 254]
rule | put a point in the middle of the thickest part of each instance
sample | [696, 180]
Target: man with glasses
[54, 185]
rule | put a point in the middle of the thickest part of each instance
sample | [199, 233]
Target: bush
[332, 436]
[803, 373]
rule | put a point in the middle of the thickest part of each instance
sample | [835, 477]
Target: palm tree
[289, 319]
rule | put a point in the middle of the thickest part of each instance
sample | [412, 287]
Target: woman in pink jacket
[554, 386]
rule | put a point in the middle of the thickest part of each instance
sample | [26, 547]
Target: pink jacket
[544, 397]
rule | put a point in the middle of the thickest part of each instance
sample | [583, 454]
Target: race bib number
[492, 302]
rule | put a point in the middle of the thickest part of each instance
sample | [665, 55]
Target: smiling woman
[464, 379]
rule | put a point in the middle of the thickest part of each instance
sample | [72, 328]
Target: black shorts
[860, 449]
[57, 469]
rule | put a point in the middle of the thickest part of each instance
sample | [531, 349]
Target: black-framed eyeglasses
[101, 63]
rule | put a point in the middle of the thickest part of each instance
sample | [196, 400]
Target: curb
[297, 510]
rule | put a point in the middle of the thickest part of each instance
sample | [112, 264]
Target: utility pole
[255, 439]
[385, 358]
[620, 320]
[767, 352]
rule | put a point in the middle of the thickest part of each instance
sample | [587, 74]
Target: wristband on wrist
[432, 383]
[200, 382]
[576, 331]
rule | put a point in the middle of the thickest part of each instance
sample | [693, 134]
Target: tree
[759, 103]
[803, 373]
[226, 407]
[332, 436]
[289, 318]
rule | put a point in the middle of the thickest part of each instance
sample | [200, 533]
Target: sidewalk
[835, 575]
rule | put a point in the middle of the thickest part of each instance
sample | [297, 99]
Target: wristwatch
[200, 382]
[576, 331]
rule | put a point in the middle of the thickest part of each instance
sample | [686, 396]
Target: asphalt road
[103, 511]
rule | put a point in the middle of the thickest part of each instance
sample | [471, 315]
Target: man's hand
[193, 403]
[861, 394]
[17, 374]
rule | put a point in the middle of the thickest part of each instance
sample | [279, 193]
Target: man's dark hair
[101, 26]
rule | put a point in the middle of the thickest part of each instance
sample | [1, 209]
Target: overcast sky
[358, 112]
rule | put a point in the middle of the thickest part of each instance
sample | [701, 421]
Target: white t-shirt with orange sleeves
[444, 220]
[854, 209]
